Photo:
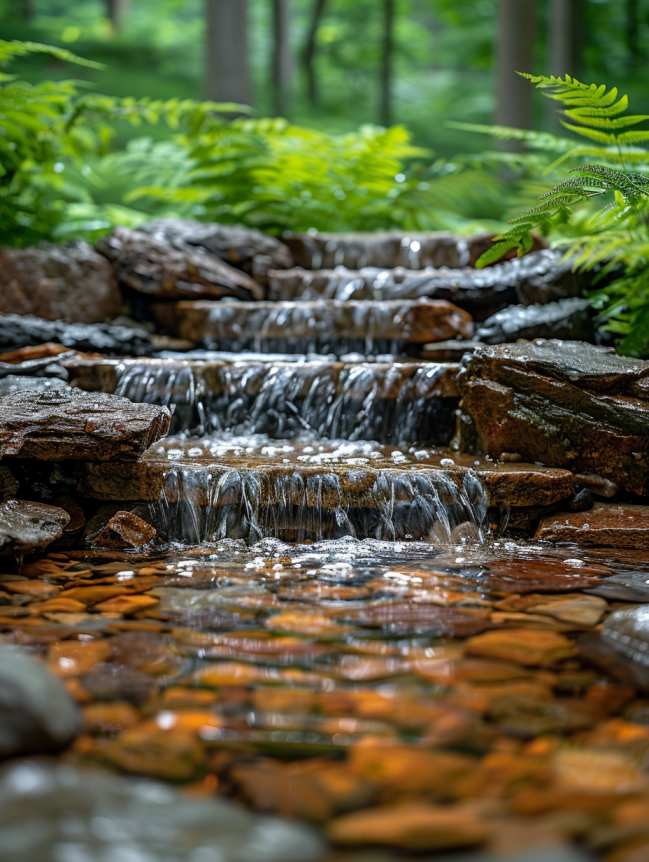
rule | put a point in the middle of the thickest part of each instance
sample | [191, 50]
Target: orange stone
[533, 647]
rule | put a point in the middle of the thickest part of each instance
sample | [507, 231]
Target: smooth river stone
[37, 715]
[612, 525]
[103, 816]
[561, 403]
[628, 632]
[68, 424]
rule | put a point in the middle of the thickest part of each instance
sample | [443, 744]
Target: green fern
[601, 209]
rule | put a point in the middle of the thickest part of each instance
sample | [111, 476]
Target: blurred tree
[115, 12]
[27, 9]
[309, 51]
[282, 62]
[387, 61]
[565, 37]
[514, 53]
[226, 51]
[632, 34]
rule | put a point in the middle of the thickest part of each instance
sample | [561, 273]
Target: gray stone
[37, 715]
[567, 318]
[18, 331]
[26, 528]
[51, 813]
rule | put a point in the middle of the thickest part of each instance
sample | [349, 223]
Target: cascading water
[200, 504]
[390, 403]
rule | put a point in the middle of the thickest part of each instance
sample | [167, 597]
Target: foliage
[601, 207]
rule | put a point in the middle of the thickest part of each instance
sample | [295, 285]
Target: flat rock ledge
[606, 525]
[246, 324]
[63, 423]
[151, 266]
[27, 528]
[538, 277]
[562, 403]
[389, 249]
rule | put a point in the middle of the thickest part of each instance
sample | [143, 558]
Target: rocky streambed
[387, 599]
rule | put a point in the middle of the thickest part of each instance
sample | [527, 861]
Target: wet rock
[18, 331]
[539, 277]
[37, 715]
[567, 318]
[68, 424]
[605, 525]
[44, 367]
[628, 633]
[627, 586]
[27, 528]
[242, 247]
[411, 826]
[314, 326]
[124, 530]
[448, 351]
[108, 817]
[150, 266]
[560, 403]
[67, 282]
[385, 250]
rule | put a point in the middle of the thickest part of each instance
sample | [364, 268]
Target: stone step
[387, 249]
[391, 402]
[538, 277]
[312, 327]
[205, 489]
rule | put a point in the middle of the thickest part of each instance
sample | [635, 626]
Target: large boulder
[37, 715]
[149, 265]
[560, 403]
[26, 527]
[67, 282]
[243, 247]
[57, 422]
[51, 812]
[18, 331]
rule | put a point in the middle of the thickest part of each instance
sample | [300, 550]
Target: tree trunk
[28, 10]
[309, 52]
[387, 62]
[632, 34]
[282, 66]
[115, 12]
[227, 61]
[515, 53]
[565, 37]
